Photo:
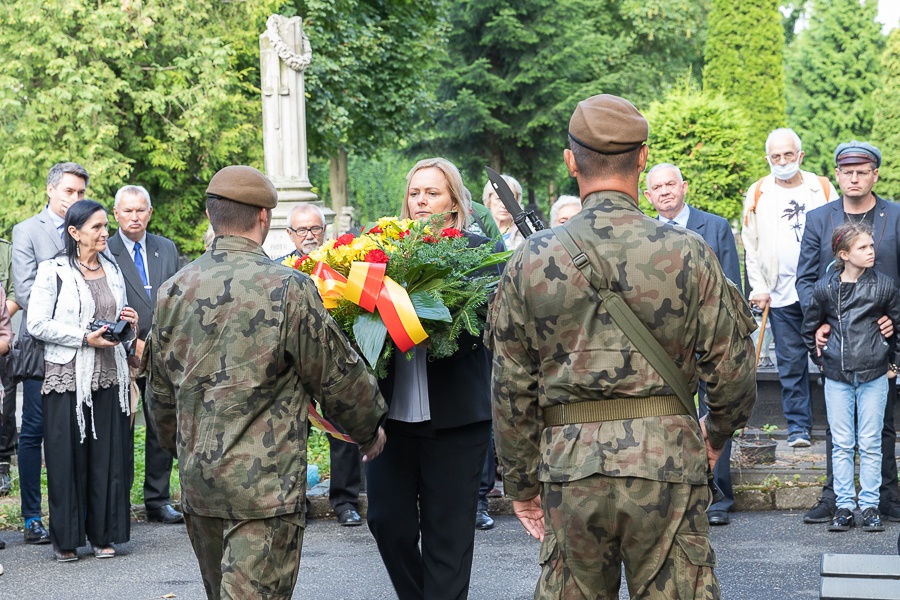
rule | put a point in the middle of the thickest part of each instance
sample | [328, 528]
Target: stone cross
[284, 54]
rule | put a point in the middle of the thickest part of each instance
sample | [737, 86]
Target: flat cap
[608, 124]
[855, 153]
[244, 184]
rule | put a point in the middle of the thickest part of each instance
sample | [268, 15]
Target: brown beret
[608, 125]
[245, 185]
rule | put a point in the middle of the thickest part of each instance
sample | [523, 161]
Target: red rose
[376, 256]
[451, 232]
[376, 229]
[344, 240]
[430, 239]
[403, 234]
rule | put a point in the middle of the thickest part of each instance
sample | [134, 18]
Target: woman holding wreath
[86, 404]
[425, 483]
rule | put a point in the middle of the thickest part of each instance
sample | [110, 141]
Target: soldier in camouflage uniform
[239, 346]
[599, 492]
[8, 434]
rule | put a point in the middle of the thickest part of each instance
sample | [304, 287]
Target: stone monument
[284, 54]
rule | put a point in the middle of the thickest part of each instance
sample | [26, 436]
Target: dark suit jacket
[815, 248]
[162, 263]
[458, 386]
[717, 234]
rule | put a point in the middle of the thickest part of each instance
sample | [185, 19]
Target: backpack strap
[756, 195]
[826, 187]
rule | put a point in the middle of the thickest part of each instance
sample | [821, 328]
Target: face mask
[786, 171]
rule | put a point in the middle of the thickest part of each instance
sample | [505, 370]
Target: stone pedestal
[284, 54]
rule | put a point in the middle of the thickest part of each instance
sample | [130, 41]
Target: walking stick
[762, 334]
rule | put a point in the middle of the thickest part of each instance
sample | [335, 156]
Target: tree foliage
[832, 70]
[886, 133]
[707, 136]
[515, 71]
[157, 93]
[744, 61]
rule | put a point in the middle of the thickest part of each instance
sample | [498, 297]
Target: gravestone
[285, 53]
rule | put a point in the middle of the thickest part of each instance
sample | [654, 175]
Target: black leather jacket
[855, 345]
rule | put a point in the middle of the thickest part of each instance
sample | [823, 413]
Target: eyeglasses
[852, 174]
[302, 231]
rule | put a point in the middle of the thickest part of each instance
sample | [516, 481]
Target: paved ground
[762, 556]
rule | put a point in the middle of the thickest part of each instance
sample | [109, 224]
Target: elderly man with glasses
[856, 170]
[307, 230]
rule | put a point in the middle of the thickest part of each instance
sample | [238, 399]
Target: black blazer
[717, 234]
[459, 386]
[162, 263]
[815, 248]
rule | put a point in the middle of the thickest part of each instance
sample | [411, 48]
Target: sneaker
[890, 510]
[821, 512]
[799, 440]
[871, 520]
[842, 521]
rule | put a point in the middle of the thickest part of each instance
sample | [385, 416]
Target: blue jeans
[793, 367]
[866, 402]
[31, 438]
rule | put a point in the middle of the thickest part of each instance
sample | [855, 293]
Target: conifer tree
[744, 61]
[833, 70]
[886, 133]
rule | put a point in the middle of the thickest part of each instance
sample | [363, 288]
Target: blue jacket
[815, 248]
[717, 234]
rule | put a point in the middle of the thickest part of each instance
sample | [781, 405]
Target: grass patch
[318, 453]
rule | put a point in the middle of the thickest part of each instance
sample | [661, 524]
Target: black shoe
[842, 521]
[36, 534]
[2, 544]
[871, 520]
[890, 510]
[483, 520]
[349, 518]
[5, 481]
[164, 514]
[822, 512]
[718, 517]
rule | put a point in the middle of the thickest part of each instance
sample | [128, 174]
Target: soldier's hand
[531, 515]
[822, 334]
[712, 455]
[886, 326]
[376, 449]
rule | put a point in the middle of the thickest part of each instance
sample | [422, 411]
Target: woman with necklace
[85, 392]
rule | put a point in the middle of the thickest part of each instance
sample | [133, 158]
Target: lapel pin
[156, 254]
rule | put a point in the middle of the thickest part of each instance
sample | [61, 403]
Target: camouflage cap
[856, 153]
[245, 185]
[608, 124]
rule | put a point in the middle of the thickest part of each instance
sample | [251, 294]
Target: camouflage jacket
[6, 278]
[553, 343]
[239, 347]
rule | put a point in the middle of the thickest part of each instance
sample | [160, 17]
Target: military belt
[613, 409]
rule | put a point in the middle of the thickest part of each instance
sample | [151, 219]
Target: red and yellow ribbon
[320, 423]
[368, 287]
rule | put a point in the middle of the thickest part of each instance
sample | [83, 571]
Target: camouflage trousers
[658, 530]
[257, 558]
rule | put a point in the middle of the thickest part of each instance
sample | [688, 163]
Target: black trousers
[87, 481]
[425, 483]
[888, 492]
[346, 475]
[9, 435]
[157, 462]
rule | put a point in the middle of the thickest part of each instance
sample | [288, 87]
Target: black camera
[119, 331]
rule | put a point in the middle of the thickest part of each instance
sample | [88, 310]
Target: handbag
[27, 355]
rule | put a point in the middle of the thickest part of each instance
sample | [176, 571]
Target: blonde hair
[460, 197]
[514, 185]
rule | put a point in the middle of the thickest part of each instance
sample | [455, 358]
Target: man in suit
[306, 228]
[34, 241]
[856, 169]
[146, 261]
[666, 189]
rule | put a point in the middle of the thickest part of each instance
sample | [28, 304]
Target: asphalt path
[762, 556]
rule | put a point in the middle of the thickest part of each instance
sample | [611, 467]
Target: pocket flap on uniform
[697, 548]
[548, 547]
